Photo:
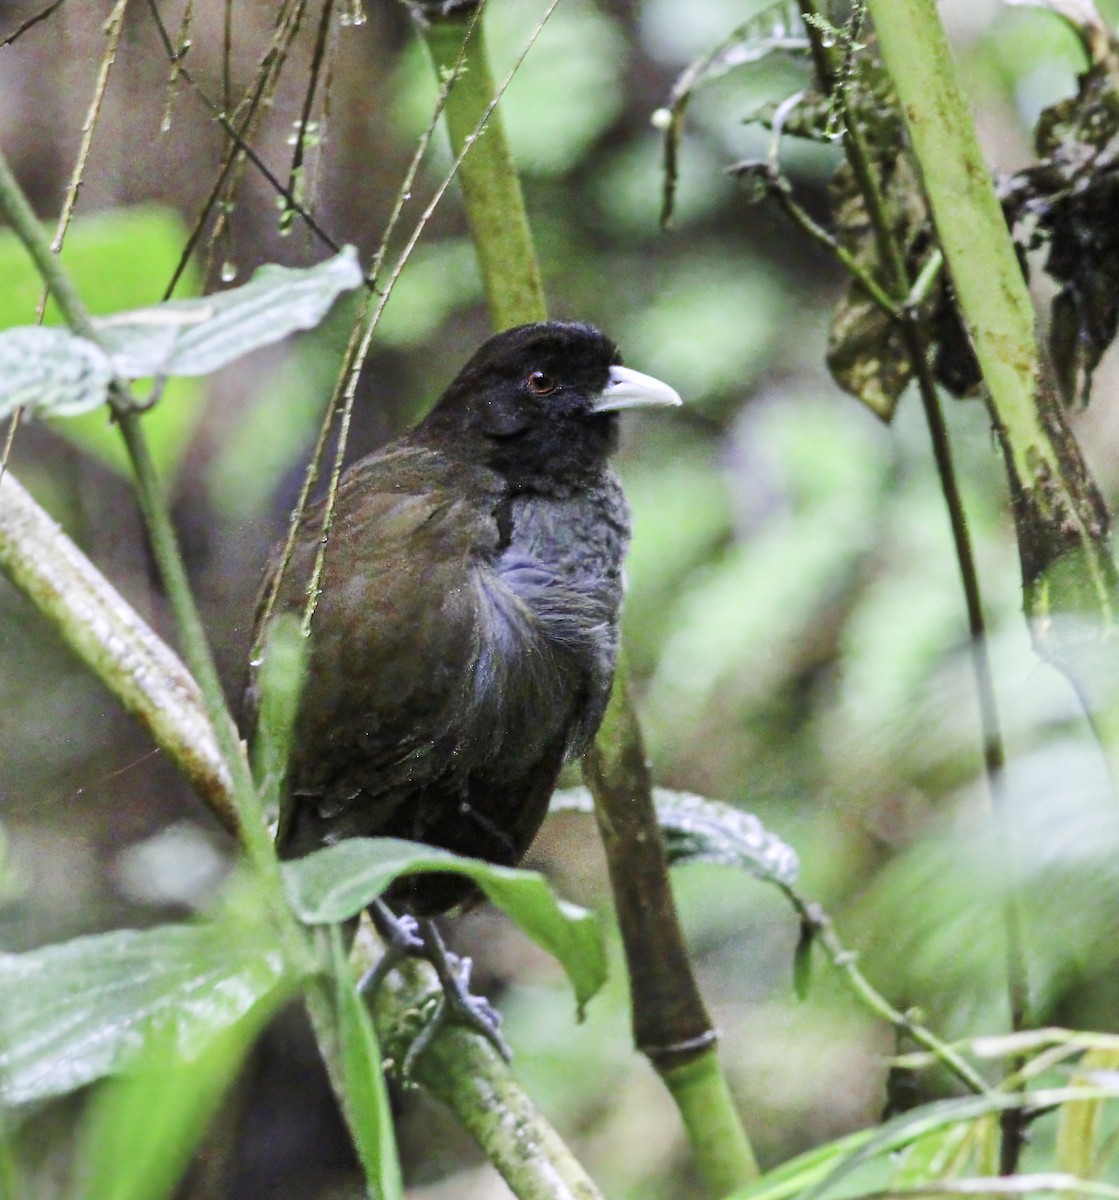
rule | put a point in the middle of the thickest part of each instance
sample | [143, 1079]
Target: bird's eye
[540, 384]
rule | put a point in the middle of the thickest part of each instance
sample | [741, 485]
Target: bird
[465, 636]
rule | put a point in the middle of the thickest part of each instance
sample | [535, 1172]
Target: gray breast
[548, 621]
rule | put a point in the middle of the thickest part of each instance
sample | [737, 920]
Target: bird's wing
[394, 636]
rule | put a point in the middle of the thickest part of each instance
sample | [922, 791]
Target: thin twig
[317, 57]
[994, 757]
[349, 358]
[243, 146]
[114, 27]
[226, 55]
[778, 189]
[31, 22]
[845, 962]
[350, 391]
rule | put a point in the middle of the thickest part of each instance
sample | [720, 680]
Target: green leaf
[142, 1128]
[52, 372]
[1083, 1144]
[197, 337]
[902, 1131]
[699, 830]
[941, 1154]
[282, 671]
[364, 1094]
[337, 883]
[143, 244]
[74, 1012]
[802, 961]
[812, 1174]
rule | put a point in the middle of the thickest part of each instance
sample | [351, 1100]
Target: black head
[539, 403]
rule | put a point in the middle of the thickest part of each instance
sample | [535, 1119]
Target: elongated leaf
[337, 883]
[813, 1174]
[1080, 1144]
[700, 830]
[143, 243]
[72, 1013]
[276, 687]
[52, 372]
[143, 1127]
[365, 1097]
[939, 1155]
[196, 337]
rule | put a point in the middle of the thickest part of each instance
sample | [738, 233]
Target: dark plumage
[465, 638]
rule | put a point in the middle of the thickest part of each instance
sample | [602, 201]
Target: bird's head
[539, 402]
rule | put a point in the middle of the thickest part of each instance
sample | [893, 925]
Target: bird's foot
[402, 939]
[404, 936]
[457, 1003]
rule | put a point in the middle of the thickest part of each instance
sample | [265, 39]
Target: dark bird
[464, 641]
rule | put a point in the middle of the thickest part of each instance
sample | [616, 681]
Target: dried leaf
[867, 355]
[1067, 200]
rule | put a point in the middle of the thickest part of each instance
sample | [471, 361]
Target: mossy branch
[465, 1072]
[110, 637]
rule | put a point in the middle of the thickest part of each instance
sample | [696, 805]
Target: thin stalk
[846, 962]
[235, 135]
[32, 21]
[902, 288]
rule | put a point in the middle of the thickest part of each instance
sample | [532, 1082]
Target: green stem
[1071, 585]
[845, 961]
[723, 1153]
[491, 187]
[781, 193]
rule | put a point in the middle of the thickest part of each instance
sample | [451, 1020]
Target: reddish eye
[540, 384]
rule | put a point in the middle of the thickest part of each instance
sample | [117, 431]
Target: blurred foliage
[793, 616]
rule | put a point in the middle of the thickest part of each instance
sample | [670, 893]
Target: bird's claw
[459, 1004]
[401, 936]
[400, 933]
[404, 936]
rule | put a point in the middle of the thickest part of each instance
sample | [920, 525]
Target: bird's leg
[401, 938]
[457, 1002]
[404, 936]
